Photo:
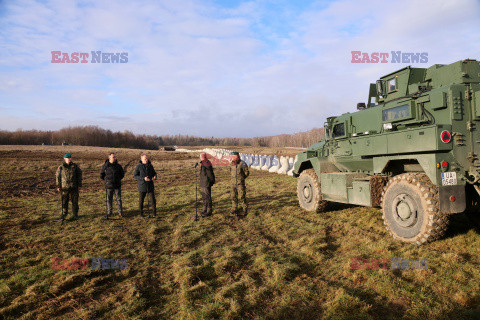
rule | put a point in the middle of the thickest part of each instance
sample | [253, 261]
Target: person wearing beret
[238, 173]
[69, 180]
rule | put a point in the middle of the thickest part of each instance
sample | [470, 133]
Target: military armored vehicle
[412, 149]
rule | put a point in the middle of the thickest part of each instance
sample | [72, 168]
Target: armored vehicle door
[341, 145]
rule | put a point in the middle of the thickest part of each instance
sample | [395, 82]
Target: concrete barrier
[256, 161]
[248, 159]
[268, 163]
[261, 162]
[283, 165]
[291, 162]
[275, 165]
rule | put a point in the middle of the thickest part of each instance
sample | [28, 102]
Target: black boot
[244, 213]
[203, 213]
[64, 216]
[209, 212]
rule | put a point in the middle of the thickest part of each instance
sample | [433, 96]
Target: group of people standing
[69, 181]
[238, 191]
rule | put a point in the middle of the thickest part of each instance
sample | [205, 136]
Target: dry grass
[277, 263]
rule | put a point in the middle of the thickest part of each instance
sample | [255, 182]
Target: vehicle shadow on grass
[460, 224]
[337, 206]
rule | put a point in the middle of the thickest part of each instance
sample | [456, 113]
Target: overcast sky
[213, 68]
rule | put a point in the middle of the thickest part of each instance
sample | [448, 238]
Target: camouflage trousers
[239, 194]
[72, 195]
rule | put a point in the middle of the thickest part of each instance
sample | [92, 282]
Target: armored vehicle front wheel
[411, 209]
[309, 192]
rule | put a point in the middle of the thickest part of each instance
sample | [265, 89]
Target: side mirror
[379, 88]
[327, 133]
[361, 106]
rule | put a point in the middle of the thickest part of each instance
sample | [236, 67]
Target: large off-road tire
[309, 192]
[411, 209]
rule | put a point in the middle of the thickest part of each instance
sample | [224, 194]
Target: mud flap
[456, 193]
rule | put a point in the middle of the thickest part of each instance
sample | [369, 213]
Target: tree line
[96, 136]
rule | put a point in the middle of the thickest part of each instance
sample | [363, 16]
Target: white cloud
[198, 68]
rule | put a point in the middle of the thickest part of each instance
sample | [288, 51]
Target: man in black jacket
[112, 172]
[145, 175]
[207, 179]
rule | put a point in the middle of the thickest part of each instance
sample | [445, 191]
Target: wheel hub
[307, 192]
[405, 210]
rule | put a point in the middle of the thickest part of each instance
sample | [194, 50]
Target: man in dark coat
[207, 179]
[69, 180]
[112, 172]
[145, 175]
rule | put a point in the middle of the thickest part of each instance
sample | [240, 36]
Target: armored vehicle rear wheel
[309, 192]
[411, 209]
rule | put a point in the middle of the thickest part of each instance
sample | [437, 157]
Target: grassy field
[279, 262]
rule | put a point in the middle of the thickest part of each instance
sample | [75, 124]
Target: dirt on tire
[309, 177]
[434, 222]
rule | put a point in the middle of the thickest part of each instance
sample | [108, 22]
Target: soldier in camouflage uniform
[238, 173]
[207, 180]
[69, 179]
